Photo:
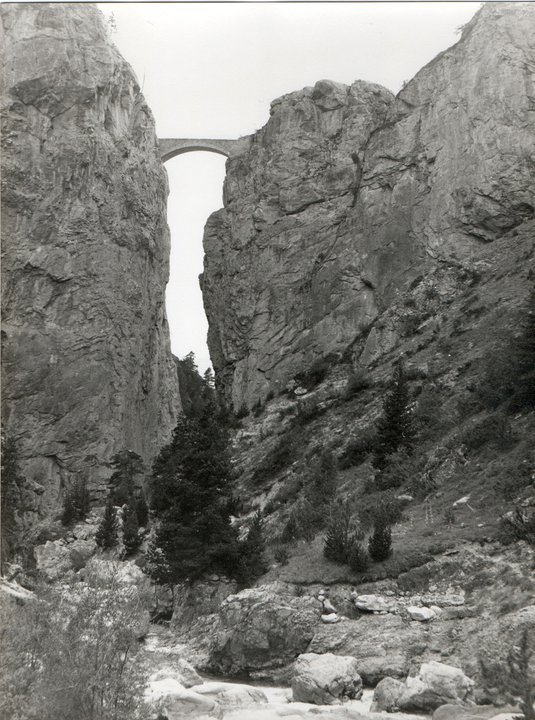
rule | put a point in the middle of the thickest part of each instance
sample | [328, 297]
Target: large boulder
[435, 685]
[261, 628]
[387, 694]
[231, 695]
[325, 679]
[56, 557]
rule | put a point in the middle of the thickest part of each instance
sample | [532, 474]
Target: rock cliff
[348, 194]
[86, 360]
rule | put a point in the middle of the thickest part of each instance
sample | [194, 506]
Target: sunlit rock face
[348, 194]
[86, 359]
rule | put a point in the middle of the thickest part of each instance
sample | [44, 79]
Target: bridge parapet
[171, 147]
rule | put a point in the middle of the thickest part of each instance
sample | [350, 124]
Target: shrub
[302, 523]
[315, 374]
[106, 536]
[359, 380]
[397, 470]
[380, 542]
[76, 503]
[70, 653]
[359, 560]
[241, 412]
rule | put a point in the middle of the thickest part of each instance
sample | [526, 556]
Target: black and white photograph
[268, 360]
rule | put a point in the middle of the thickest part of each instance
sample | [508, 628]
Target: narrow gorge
[342, 524]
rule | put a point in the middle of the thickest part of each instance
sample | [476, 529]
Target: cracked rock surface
[86, 359]
[348, 194]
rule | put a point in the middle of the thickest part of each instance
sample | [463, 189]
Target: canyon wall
[348, 195]
[87, 368]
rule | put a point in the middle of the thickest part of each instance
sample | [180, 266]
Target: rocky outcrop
[261, 628]
[86, 359]
[325, 679]
[348, 195]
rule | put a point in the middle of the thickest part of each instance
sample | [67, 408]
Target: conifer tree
[106, 536]
[341, 535]
[76, 503]
[252, 551]
[131, 537]
[127, 465]
[142, 510]
[191, 497]
[395, 428]
[380, 542]
[11, 480]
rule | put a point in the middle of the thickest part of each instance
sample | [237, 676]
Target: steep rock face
[347, 195]
[86, 361]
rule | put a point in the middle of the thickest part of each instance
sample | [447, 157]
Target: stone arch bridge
[171, 147]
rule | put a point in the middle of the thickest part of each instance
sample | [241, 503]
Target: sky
[211, 70]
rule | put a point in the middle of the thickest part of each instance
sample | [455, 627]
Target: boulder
[374, 603]
[231, 694]
[169, 698]
[435, 685]
[325, 679]
[387, 693]
[422, 614]
[261, 628]
[56, 558]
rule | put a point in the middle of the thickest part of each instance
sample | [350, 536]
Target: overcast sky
[211, 70]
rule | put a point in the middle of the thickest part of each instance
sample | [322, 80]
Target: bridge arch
[171, 147]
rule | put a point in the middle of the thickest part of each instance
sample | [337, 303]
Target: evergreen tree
[106, 536]
[142, 510]
[131, 536]
[341, 534]
[395, 428]
[127, 466]
[252, 552]
[11, 481]
[76, 503]
[359, 560]
[191, 497]
[380, 542]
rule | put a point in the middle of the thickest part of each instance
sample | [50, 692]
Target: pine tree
[252, 552]
[11, 481]
[341, 534]
[131, 536]
[127, 465]
[76, 503]
[191, 497]
[359, 560]
[395, 428]
[142, 510]
[380, 542]
[106, 536]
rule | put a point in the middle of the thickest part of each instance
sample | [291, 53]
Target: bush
[316, 373]
[359, 560]
[380, 542]
[76, 503]
[359, 380]
[302, 523]
[398, 470]
[69, 653]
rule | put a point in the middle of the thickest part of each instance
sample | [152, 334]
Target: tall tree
[106, 536]
[127, 466]
[395, 427]
[191, 497]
